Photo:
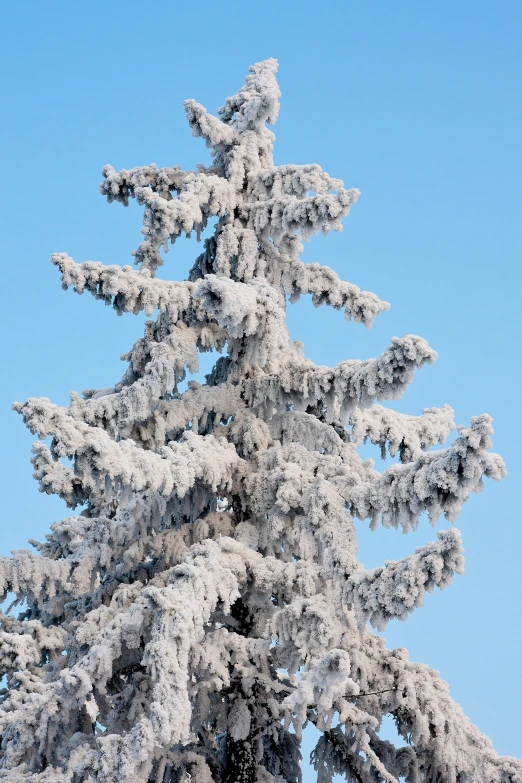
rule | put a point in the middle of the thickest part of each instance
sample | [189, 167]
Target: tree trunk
[241, 761]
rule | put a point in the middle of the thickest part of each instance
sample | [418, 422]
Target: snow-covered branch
[326, 288]
[280, 217]
[345, 386]
[408, 435]
[201, 197]
[128, 290]
[216, 133]
[397, 588]
[122, 185]
[437, 482]
[26, 572]
[106, 468]
[257, 102]
[23, 643]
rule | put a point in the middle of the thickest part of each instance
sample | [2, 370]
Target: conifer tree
[205, 601]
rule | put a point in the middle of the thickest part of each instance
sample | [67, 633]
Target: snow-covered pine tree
[207, 600]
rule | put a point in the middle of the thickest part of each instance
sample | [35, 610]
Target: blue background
[415, 103]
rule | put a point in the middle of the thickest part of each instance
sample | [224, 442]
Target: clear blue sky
[415, 103]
